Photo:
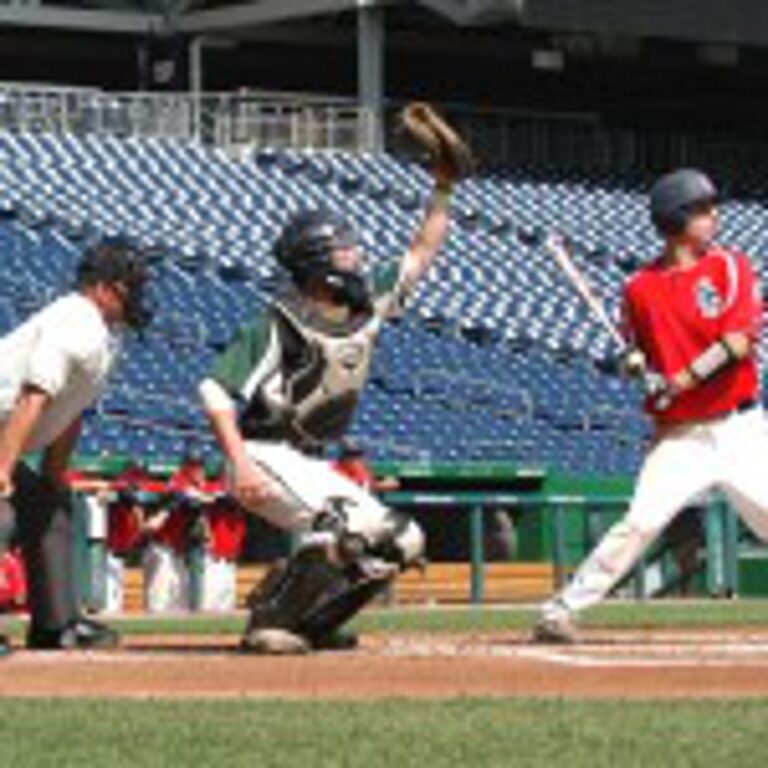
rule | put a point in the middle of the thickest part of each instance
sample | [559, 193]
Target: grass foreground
[475, 732]
[452, 733]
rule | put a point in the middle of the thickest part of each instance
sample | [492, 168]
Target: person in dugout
[166, 530]
[223, 529]
[13, 582]
[352, 463]
[125, 529]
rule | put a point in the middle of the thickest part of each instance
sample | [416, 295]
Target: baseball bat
[654, 384]
[556, 248]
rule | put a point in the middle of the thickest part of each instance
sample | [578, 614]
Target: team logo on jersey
[351, 355]
[708, 300]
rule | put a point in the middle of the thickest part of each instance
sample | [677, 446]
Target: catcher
[289, 384]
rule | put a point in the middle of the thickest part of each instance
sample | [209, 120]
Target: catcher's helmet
[674, 195]
[117, 263]
[305, 250]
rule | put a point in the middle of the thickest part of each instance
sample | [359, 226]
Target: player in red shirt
[125, 521]
[166, 575]
[13, 581]
[224, 530]
[224, 522]
[694, 316]
[351, 463]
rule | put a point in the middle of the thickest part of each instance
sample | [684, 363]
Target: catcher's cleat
[336, 641]
[274, 642]
[554, 630]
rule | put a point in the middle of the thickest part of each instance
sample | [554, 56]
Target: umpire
[52, 367]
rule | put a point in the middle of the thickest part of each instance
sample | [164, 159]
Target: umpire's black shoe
[80, 634]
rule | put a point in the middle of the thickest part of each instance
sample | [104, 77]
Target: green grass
[457, 733]
[673, 614]
[461, 733]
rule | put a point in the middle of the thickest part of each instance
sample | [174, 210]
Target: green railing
[721, 537]
[721, 530]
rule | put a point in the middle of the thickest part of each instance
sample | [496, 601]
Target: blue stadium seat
[497, 359]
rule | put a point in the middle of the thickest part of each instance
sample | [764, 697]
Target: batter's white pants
[730, 453]
[308, 486]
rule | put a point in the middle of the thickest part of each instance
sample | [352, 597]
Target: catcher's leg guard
[356, 587]
[310, 597]
[290, 589]
[369, 570]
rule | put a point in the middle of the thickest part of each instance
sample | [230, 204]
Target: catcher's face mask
[319, 249]
[348, 257]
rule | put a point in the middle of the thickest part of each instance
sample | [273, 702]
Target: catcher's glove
[447, 153]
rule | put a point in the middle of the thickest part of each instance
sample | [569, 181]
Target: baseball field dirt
[722, 663]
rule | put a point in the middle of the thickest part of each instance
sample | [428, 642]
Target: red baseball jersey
[357, 470]
[124, 522]
[226, 524]
[673, 314]
[13, 581]
[123, 527]
[173, 533]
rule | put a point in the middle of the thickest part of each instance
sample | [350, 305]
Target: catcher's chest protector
[320, 392]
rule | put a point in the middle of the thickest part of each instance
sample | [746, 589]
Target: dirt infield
[637, 664]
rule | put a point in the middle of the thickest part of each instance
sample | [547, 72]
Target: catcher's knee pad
[396, 538]
[402, 541]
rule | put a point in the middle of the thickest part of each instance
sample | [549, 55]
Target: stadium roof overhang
[735, 21]
[186, 16]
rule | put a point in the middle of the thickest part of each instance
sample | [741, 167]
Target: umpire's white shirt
[67, 350]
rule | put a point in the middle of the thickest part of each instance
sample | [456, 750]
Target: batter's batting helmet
[117, 263]
[674, 195]
[305, 249]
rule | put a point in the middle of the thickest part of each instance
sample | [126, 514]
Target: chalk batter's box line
[723, 656]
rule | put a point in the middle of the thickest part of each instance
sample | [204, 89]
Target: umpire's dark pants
[43, 522]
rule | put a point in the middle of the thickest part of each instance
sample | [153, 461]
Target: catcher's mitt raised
[447, 153]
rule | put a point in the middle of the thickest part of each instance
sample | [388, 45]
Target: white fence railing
[246, 120]
[229, 120]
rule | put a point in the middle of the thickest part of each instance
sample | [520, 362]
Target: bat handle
[656, 388]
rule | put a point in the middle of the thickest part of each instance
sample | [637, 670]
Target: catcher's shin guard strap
[336, 609]
[313, 597]
[292, 590]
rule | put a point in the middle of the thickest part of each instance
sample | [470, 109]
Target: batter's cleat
[80, 634]
[554, 630]
[5, 646]
[336, 641]
[274, 642]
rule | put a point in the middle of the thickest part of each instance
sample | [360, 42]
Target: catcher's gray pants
[42, 515]
[309, 487]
